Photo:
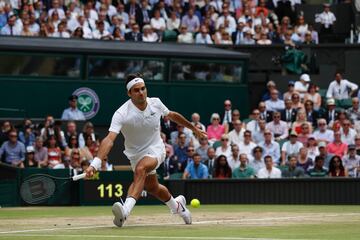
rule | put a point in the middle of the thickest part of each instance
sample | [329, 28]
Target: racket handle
[78, 177]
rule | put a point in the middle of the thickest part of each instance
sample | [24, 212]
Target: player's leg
[177, 205]
[141, 169]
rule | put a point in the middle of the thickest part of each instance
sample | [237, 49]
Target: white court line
[169, 224]
[149, 237]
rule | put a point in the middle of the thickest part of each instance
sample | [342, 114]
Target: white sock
[172, 204]
[129, 204]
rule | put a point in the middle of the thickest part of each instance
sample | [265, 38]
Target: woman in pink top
[215, 130]
[337, 147]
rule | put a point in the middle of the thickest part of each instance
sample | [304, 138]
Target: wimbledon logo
[88, 102]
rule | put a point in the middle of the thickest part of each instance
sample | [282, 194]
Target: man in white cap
[302, 85]
[138, 119]
[339, 88]
[331, 114]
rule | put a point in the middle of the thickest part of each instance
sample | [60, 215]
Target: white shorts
[157, 153]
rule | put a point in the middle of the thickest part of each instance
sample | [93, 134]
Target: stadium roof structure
[115, 48]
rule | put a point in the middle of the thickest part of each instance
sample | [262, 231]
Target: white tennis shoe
[182, 210]
[120, 214]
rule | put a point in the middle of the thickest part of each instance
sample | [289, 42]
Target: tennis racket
[38, 188]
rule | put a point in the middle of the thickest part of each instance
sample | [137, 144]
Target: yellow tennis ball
[195, 203]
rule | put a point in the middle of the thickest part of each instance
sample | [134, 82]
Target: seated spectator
[312, 147]
[78, 33]
[337, 147]
[258, 134]
[290, 91]
[54, 154]
[167, 127]
[290, 148]
[88, 130]
[340, 88]
[274, 103]
[288, 115]
[247, 145]
[269, 171]
[253, 125]
[236, 136]
[296, 103]
[149, 35]
[61, 31]
[302, 85]
[101, 32]
[173, 23]
[88, 152]
[73, 113]
[158, 23]
[292, 170]
[233, 158]
[303, 160]
[13, 151]
[330, 114]
[167, 145]
[265, 114]
[225, 147]
[305, 133]
[336, 168]
[248, 38]
[56, 7]
[225, 39]
[226, 16]
[238, 35]
[314, 96]
[175, 134]
[170, 164]
[10, 28]
[135, 34]
[222, 169]
[301, 27]
[270, 147]
[191, 21]
[75, 162]
[26, 30]
[347, 133]
[29, 158]
[215, 130]
[264, 39]
[318, 170]
[41, 153]
[203, 37]
[117, 34]
[351, 161]
[308, 39]
[235, 115]
[354, 111]
[6, 127]
[185, 36]
[203, 148]
[195, 169]
[244, 170]
[257, 161]
[277, 127]
[195, 119]
[314, 34]
[210, 161]
[323, 134]
[27, 137]
[311, 114]
[271, 85]
[180, 150]
[300, 122]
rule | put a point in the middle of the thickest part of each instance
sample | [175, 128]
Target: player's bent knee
[140, 170]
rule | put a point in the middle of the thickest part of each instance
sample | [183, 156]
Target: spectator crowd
[245, 22]
[298, 133]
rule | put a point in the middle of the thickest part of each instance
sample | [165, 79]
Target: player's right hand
[90, 171]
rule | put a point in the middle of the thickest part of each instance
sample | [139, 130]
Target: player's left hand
[200, 133]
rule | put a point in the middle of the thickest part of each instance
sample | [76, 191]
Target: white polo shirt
[141, 129]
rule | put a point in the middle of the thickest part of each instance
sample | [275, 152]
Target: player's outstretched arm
[180, 119]
[104, 149]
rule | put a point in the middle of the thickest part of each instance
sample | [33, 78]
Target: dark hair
[224, 170]
[196, 155]
[131, 76]
[332, 165]
[257, 148]
[318, 158]
[267, 157]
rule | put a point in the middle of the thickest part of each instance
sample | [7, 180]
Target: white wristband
[96, 163]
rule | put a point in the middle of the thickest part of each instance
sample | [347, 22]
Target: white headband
[133, 82]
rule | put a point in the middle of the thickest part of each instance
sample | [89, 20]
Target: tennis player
[139, 121]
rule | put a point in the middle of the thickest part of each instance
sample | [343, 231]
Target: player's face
[138, 93]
